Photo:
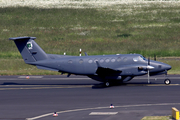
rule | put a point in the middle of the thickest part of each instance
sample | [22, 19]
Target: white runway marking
[123, 106]
[103, 113]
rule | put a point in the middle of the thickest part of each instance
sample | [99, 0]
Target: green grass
[18, 67]
[145, 30]
[174, 63]
[148, 29]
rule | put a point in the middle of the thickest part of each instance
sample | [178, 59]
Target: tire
[167, 81]
[107, 84]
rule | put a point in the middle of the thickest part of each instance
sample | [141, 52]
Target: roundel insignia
[29, 45]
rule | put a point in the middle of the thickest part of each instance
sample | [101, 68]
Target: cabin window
[80, 61]
[113, 60]
[101, 60]
[136, 59]
[119, 59]
[90, 61]
[95, 60]
[125, 59]
[107, 60]
[139, 58]
[70, 61]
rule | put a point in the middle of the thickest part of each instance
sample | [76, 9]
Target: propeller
[149, 67]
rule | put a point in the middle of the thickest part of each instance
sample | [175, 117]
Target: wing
[101, 71]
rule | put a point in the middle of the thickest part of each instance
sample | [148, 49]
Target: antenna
[80, 52]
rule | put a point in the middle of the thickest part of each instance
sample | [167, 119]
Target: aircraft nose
[168, 67]
[165, 66]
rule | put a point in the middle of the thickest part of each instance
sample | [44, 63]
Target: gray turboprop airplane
[104, 68]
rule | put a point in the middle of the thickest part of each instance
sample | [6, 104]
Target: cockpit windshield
[143, 57]
[139, 58]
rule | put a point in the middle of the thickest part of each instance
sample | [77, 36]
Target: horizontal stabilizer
[21, 38]
[45, 68]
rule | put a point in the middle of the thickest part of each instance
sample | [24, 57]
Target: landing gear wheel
[107, 84]
[167, 81]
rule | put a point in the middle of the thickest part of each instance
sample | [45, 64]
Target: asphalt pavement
[80, 98]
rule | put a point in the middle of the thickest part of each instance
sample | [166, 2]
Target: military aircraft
[104, 68]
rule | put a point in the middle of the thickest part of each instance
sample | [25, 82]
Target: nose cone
[159, 66]
[166, 66]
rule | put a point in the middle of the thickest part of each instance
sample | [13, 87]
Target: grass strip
[146, 29]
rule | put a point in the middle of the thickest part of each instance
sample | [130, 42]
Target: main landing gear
[107, 84]
[111, 83]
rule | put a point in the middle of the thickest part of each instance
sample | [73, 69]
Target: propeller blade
[148, 77]
[148, 61]
[148, 67]
[154, 57]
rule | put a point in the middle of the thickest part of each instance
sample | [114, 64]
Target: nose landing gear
[167, 81]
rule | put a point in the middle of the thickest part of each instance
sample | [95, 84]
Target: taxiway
[78, 97]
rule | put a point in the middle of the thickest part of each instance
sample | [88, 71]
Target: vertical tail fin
[29, 49]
